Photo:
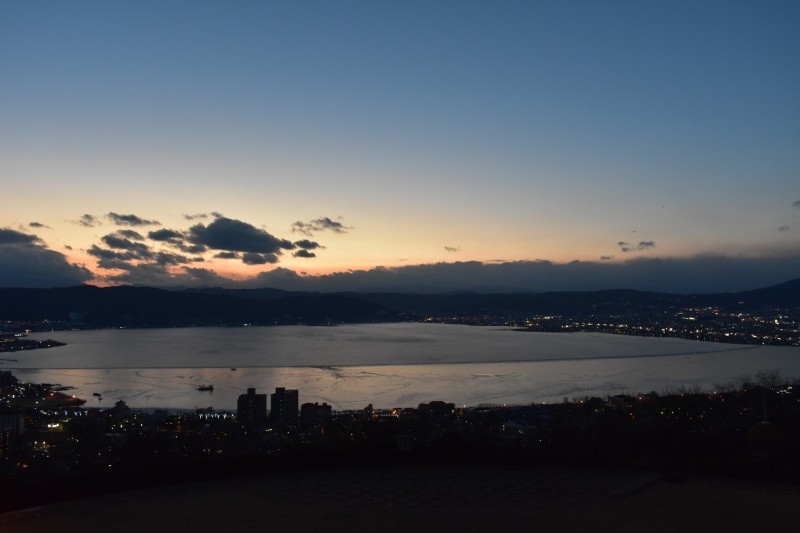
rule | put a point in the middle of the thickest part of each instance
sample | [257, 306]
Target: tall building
[251, 409]
[283, 405]
[314, 414]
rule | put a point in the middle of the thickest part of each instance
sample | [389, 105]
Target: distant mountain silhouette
[150, 307]
[784, 294]
[253, 294]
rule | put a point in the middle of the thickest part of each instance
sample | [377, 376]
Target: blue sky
[433, 132]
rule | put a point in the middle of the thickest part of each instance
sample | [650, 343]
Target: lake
[387, 365]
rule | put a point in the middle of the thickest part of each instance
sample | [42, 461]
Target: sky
[445, 145]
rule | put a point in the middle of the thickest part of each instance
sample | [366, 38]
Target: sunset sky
[400, 145]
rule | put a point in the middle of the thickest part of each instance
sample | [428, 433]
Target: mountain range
[129, 306]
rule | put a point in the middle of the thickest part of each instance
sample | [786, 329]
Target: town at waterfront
[746, 428]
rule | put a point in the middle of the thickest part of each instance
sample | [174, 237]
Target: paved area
[437, 498]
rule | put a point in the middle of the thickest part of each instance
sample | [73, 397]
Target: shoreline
[569, 329]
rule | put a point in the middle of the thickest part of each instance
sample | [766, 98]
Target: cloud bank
[703, 274]
[24, 262]
[174, 257]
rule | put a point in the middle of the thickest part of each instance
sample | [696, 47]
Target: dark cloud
[307, 245]
[153, 274]
[796, 204]
[202, 216]
[164, 235]
[192, 248]
[130, 220]
[175, 238]
[130, 234]
[102, 253]
[165, 258]
[227, 255]
[204, 276]
[784, 228]
[88, 221]
[643, 245]
[237, 236]
[23, 263]
[281, 277]
[304, 253]
[452, 249]
[150, 274]
[12, 236]
[38, 225]
[67, 247]
[115, 241]
[140, 250]
[302, 227]
[130, 252]
[197, 260]
[319, 224]
[110, 258]
[115, 263]
[606, 257]
[252, 258]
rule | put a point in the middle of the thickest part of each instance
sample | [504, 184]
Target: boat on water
[206, 388]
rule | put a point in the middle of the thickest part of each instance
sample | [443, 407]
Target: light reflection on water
[348, 368]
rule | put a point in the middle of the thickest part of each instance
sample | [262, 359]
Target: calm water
[388, 365]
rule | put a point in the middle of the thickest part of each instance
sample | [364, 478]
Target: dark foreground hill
[404, 498]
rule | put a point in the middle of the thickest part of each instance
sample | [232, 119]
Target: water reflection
[353, 387]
